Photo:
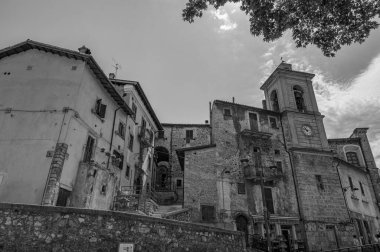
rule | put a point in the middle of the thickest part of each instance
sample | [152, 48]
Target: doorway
[242, 225]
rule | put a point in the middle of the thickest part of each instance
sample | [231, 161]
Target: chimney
[111, 76]
[84, 50]
[233, 99]
[264, 104]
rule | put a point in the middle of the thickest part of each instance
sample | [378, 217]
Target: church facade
[272, 173]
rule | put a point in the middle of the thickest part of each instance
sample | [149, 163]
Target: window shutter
[102, 112]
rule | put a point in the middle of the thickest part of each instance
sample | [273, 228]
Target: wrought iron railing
[268, 173]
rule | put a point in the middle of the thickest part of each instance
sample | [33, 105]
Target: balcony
[255, 174]
[146, 137]
[255, 134]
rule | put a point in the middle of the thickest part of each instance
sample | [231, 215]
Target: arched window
[274, 101]
[352, 158]
[298, 96]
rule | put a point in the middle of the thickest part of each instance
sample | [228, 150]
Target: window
[143, 123]
[179, 182]
[189, 135]
[149, 162]
[320, 185]
[298, 96]
[118, 160]
[351, 183]
[127, 170]
[63, 196]
[161, 134]
[130, 144]
[100, 108]
[352, 158]
[273, 122]
[269, 199]
[208, 213]
[277, 152]
[121, 130]
[103, 189]
[227, 112]
[89, 149]
[274, 100]
[253, 121]
[241, 188]
[279, 166]
[361, 188]
[134, 109]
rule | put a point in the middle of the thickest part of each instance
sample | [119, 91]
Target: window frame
[319, 180]
[361, 188]
[121, 130]
[100, 108]
[190, 137]
[352, 158]
[229, 112]
[241, 188]
[131, 142]
[134, 110]
[275, 122]
[210, 217]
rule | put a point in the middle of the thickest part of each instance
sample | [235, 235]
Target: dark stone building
[272, 172]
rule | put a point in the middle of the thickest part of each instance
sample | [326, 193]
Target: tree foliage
[328, 24]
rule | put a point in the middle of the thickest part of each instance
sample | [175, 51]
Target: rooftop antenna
[116, 65]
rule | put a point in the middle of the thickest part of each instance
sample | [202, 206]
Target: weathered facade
[272, 172]
[168, 180]
[70, 136]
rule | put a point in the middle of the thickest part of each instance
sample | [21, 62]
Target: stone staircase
[165, 209]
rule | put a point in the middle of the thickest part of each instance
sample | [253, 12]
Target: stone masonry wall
[52, 188]
[44, 228]
[175, 138]
[324, 209]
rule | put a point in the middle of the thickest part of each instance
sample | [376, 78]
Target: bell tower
[291, 94]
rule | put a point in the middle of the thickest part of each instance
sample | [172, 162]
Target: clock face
[307, 130]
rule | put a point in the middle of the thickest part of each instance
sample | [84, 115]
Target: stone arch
[299, 98]
[161, 154]
[274, 101]
[242, 224]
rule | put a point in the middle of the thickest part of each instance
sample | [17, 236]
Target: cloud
[346, 106]
[223, 14]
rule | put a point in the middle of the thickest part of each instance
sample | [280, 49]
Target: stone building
[68, 134]
[272, 171]
[168, 182]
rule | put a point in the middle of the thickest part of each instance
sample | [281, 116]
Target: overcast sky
[183, 66]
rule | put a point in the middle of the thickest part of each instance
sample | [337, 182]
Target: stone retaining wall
[45, 228]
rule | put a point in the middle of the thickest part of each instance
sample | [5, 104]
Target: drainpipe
[300, 211]
[112, 133]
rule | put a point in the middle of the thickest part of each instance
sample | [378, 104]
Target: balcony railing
[129, 198]
[267, 173]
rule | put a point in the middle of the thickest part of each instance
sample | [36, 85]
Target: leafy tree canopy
[328, 24]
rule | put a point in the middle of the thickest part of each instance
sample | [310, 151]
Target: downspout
[112, 133]
[108, 160]
[300, 211]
